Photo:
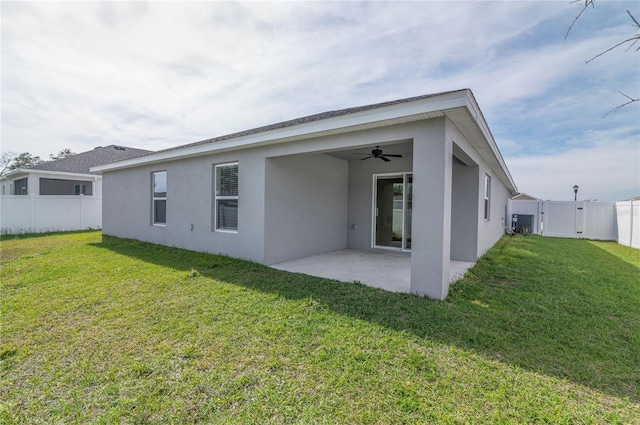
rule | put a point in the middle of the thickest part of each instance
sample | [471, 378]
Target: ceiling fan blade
[384, 158]
[366, 157]
[393, 155]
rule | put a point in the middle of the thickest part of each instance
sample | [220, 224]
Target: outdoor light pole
[575, 192]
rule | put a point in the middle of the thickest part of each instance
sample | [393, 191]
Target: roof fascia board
[304, 130]
[27, 171]
[62, 174]
[12, 173]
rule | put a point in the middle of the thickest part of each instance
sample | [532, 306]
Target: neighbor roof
[82, 162]
[524, 197]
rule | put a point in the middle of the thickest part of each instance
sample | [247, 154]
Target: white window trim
[157, 198]
[487, 198]
[217, 198]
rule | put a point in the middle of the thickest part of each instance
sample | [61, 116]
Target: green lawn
[104, 330]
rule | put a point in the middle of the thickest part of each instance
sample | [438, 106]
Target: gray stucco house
[420, 176]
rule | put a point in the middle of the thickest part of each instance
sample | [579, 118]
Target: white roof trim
[26, 171]
[300, 131]
[376, 117]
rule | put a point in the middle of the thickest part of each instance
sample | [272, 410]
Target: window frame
[64, 187]
[80, 189]
[487, 197]
[217, 198]
[23, 188]
[407, 212]
[155, 198]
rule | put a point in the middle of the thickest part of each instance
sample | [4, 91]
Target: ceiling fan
[377, 153]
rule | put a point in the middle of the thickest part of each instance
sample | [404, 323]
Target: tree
[5, 160]
[24, 160]
[64, 153]
[630, 41]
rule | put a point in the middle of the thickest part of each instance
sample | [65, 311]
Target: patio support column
[431, 219]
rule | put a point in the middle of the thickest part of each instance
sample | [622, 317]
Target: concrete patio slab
[389, 271]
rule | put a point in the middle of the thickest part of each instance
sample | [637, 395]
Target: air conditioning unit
[522, 221]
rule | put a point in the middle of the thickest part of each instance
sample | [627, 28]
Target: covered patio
[388, 271]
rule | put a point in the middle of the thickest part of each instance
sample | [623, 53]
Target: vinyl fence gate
[569, 219]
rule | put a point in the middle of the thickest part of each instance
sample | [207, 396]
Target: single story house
[66, 176]
[419, 177]
[62, 194]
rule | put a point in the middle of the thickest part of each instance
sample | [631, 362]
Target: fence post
[540, 220]
[81, 212]
[631, 225]
[507, 219]
[32, 213]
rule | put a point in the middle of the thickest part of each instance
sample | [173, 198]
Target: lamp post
[575, 192]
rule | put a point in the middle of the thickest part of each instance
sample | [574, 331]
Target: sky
[154, 75]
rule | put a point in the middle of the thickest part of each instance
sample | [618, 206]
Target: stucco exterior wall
[305, 206]
[488, 231]
[431, 222]
[361, 195]
[464, 211]
[127, 205]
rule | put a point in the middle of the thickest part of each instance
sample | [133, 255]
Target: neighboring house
[524, 197]
[301, 187]
[62, 195]
[66, 176]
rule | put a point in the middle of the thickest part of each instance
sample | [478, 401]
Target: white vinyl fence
[628, 214]
[616, 221]
[39, 214]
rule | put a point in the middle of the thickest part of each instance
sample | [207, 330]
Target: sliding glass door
[393, 195]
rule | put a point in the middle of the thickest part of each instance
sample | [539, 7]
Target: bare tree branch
[634, 19]
[587, 3]
[5, 161]
[632, 40]
[617, 108]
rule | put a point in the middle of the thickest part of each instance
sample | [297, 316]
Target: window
[487, 196]
[65, 187]
[226, 197]
[81, 189]
[159, 206]
[20, 187]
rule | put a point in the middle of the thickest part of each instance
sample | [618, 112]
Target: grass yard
[103, 330]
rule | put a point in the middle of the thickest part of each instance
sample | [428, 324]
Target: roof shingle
[82, 162]
[307, 119]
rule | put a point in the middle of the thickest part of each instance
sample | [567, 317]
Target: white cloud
[155, 75]
[605, 165]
